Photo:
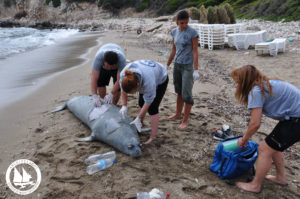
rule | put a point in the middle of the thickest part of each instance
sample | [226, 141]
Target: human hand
[96, 100]
[108, 98]
[242, 142]
[123, 111]
[196, 75]
[137, 123]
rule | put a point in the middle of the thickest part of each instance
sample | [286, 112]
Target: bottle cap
[168, 194]
[114, 160]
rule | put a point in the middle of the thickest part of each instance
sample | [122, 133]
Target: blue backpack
[230, 164]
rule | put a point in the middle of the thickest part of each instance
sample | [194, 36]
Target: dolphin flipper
[86, 139]
[59, 108]
[145, 130]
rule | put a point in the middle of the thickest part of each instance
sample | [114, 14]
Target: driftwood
[163, 18]
[156, 27]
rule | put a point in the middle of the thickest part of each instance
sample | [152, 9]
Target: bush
[21, 14]
[56, 3]
[194, 13]
[222, 16]
[230, 12]
[203, 15]
[142, 6]
[7, 3]
[212, 16]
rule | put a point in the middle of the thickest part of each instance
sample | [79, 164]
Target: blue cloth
[284, 104]
[184, 44]
[150, 74]
[99, 58]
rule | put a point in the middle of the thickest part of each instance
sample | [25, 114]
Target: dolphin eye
[130, 147]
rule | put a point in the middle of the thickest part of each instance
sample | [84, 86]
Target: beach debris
[100, 165]
[153, 194]
[162, 18]
[95, 158]
[154, 28]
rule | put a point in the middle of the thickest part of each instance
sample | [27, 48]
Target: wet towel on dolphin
[106, 123]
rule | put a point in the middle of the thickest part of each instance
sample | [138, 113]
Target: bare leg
[102, 91]
[278, 159]
[154, 127]
[116, 98]
[262, 167]
[179, 107]
[187, 111]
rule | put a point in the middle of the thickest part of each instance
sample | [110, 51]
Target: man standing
[109, 61]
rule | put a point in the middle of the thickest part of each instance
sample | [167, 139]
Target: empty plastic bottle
[95, 158]
[100, 165]
[153, 194]
[142, 195]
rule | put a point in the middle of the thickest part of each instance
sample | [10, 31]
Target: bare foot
[272, 178]
[149, 141]
[183, 125]
[175, 116]
[248, 187]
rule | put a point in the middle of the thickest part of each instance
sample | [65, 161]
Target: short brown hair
[247, 77]
[130, 81]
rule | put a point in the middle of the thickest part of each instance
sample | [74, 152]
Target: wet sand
[178, 161]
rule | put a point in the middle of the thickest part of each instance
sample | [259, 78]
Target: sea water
[29, 57]
[18, 40]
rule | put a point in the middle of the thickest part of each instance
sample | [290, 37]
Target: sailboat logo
[23, 182]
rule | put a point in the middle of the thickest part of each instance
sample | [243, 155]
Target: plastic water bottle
[153, 194]
[100, 165]
[231, 145]
[142, 195]
[95, 158]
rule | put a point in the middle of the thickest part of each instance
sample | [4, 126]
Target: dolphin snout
[136, 152]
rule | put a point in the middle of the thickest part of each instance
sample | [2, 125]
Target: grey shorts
[183, 81]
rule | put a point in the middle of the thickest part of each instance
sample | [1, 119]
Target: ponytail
[129, 81]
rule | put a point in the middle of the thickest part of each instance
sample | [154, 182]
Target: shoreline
[177, 161]
[14, 115]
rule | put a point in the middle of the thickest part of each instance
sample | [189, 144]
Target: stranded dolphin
[106, 123]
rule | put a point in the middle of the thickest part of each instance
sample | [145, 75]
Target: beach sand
[177, 161]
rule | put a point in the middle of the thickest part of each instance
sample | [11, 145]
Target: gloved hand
[96, 100]
[123, 111]
[108, 98]
[137, 123]
[196, 75]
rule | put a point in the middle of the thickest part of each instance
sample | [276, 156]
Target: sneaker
[226, 130]
[219, 135]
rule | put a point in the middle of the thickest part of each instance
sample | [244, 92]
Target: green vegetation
[7, 3]
[265, 9]
[203, 15]
[142, 6]
[194, 13]
[212, 16]
[55, 3]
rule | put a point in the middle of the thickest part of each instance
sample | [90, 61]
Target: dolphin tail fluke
[145, 130]
[86, 139]
[59, 108]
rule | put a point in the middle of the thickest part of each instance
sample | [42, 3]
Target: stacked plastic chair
[210, 34]
[214, 35]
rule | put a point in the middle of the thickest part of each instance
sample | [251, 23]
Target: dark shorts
[285, 134]
[183, 81]
[160, 92]
[105, 76]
